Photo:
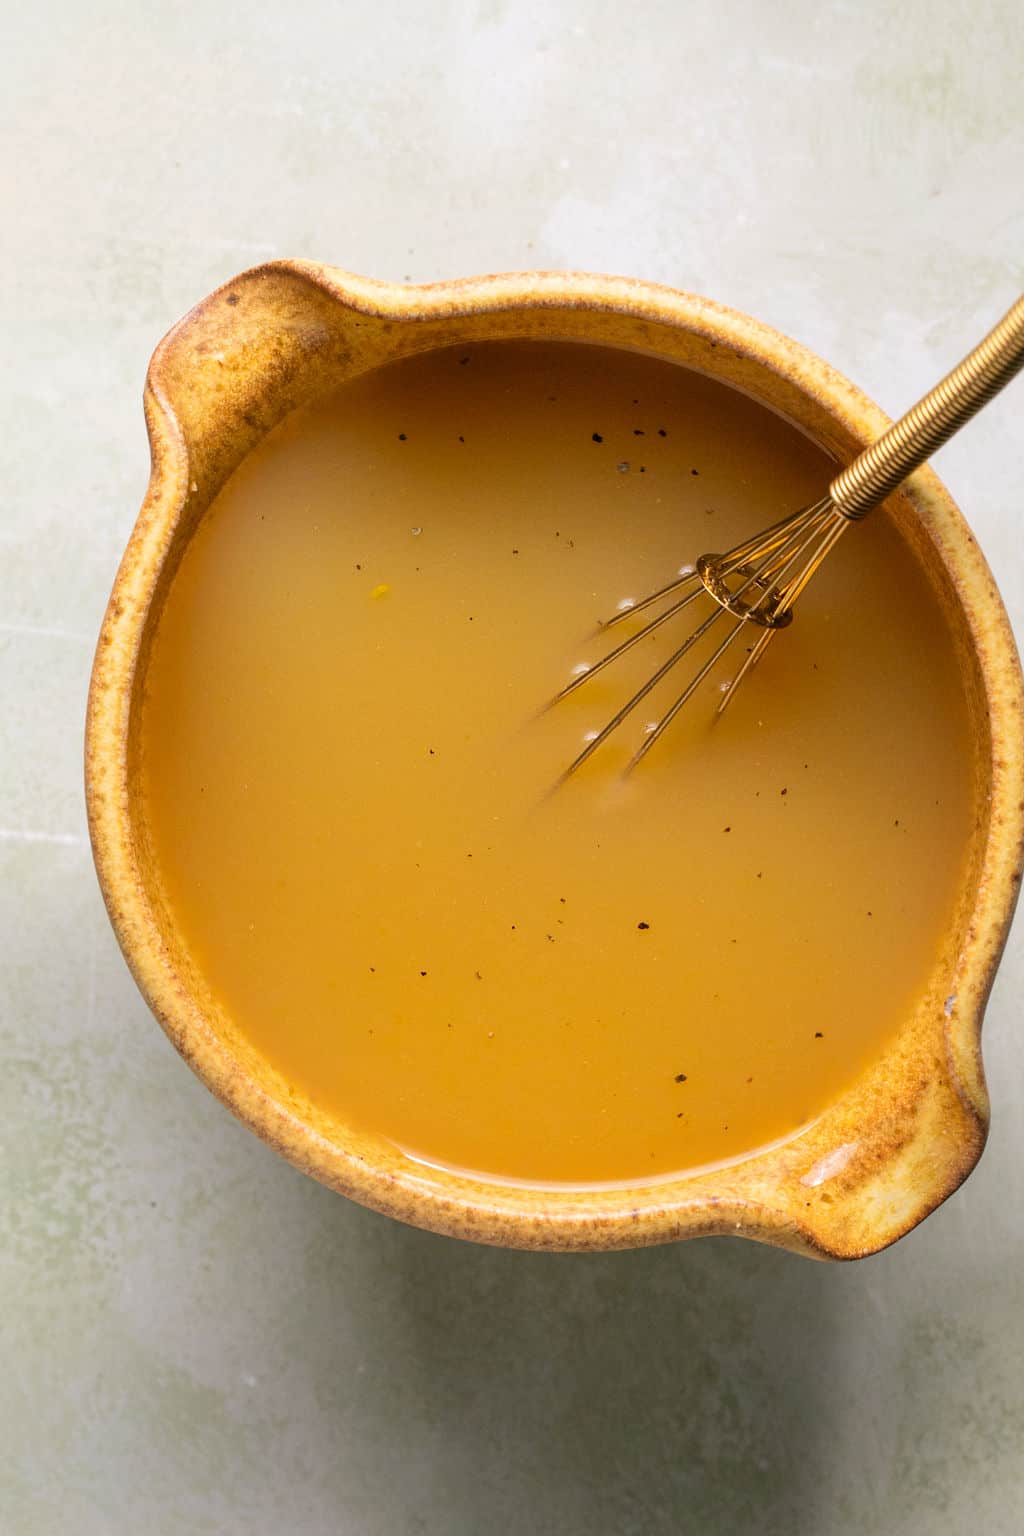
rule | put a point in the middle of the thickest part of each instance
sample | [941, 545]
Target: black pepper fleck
[643, 925]
[662, 432]
[401, 437]
[680, 1077]
[595, 437]
[818, 1035]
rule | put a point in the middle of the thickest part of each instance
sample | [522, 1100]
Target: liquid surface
[347, 773]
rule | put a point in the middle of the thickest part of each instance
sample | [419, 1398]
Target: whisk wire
[778, 535]
[750, 660]
[830, 536]
[780, 554]
[687, 575]
[642, 692]
[687, 693]
[641, 634]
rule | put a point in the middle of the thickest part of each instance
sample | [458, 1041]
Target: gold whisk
[760, 580]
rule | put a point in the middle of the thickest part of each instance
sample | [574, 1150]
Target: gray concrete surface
[197, 1339]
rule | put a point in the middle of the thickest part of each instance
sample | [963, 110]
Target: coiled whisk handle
[876, 472]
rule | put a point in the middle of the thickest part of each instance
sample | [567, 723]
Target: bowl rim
[454, 1204]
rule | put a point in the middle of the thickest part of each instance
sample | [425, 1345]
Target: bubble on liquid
[687, 570]
[581, 669]
[724, 687]
[590, 736]
[415, 532]
[626, 604]
[650, 727]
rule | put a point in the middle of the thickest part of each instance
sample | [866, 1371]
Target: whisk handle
[932, 421]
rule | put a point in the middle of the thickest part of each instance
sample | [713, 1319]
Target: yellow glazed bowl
[911, 1129]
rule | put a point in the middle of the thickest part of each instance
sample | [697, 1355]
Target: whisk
[758, 582]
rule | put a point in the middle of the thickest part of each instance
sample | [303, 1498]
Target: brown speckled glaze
[912, 1128]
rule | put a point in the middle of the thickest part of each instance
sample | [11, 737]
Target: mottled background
[195, 1337]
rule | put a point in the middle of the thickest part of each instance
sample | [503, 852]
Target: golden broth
[346, 772]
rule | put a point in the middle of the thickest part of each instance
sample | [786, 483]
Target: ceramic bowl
[912, 1128]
